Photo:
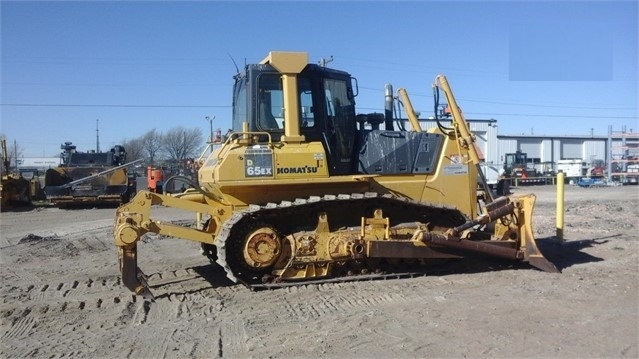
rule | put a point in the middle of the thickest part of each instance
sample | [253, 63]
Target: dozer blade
[527, 250]
[534, 257]
[532, 254]
[540, 262]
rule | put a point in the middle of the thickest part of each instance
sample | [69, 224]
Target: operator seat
[266, 118]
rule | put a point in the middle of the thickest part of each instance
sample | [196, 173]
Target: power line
[527, 115]
[414, 94]
[545, 115]
[362, 108]
[62, 84]
[551, 106]
[110, 105]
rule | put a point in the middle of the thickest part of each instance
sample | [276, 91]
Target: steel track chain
[253, 210]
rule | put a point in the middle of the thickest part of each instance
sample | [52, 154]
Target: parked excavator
[305, 191]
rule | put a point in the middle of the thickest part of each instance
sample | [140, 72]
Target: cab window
[270, 110]
[270, 106]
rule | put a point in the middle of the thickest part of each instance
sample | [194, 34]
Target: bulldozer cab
[324, 108]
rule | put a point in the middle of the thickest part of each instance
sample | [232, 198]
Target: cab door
[340, 128]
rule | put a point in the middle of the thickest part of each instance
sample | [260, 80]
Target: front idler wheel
[253, 250]
[262, 249]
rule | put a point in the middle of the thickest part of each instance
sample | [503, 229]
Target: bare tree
[134, 148]
[181, 143]
[152, 143]
[14, 151]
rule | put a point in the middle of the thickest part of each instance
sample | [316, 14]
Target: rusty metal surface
[473, 246]
[405, 249]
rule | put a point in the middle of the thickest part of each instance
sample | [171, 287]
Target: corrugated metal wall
[556, 150]
[594, 150]
[532, 147]
[571, 149]
[546, 148]
[492, 146]
[552, 149]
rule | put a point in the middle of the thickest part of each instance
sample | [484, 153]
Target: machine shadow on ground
[566, 254]
[561, 254]
[213, 274]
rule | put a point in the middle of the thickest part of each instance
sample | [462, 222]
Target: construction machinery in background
[597, 168]
[156, 176]
[90, 178]
[304, 190]
[155, 179]
[520, 170]
[516, 171]
[36, 193]
[516, 167]
[15, 190]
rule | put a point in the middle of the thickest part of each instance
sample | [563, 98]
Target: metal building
[553, 148]
[485, 132]
[547, 149]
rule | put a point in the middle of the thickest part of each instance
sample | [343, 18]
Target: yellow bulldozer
[15, 190]
[304, 190]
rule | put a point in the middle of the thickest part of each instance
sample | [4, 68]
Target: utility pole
[97, 135]
[211, 125]
[15, 154]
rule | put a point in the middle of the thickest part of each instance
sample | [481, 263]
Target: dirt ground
[62, 296]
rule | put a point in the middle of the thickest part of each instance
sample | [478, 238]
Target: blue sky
[551, 68]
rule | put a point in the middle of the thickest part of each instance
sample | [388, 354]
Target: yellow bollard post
[560, 206]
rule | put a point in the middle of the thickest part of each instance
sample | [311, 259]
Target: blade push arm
[133, 220]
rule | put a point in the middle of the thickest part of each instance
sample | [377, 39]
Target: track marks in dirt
[73, 288]
[304, 315]
[233, 339]
[337, 301]
[21, 325]
[159, 350]
[62, 308]
[170, 282]
[16, 275]
[64, 325]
